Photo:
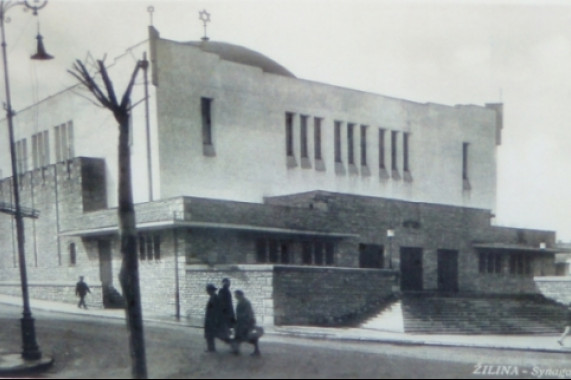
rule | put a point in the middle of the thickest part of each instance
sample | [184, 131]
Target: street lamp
[30, 350]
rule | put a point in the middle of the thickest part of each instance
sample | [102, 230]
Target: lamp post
[30, 349]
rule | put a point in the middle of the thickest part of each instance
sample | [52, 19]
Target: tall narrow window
[57, 136]
[70, 140]
[285, 257]
[329, 254]
[206, 112]
[363, 145]
[21, 156]
[405, 139]
[382, 149]
[338, 142]
[350, 144]
[261, 257]
[46, 151]
[465, 180]
[307, 254]
[394, 164]
[465, 161]
[289, 133]
[317, 137]
[303, 141]
[35, 160]
[72, 255]
[274, 257]
[318, 259]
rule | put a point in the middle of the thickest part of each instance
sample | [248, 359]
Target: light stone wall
[248, 118]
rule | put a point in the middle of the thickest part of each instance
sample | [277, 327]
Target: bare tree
[129, 276]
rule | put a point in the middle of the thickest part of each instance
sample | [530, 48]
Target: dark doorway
[411, 269]
[371, 256]
[447, 270]
[105, 264]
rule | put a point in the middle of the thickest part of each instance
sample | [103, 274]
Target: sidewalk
[535, 343]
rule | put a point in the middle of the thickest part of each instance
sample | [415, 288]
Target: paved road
[86, 347]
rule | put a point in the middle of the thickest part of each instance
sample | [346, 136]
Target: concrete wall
[328, 296]
[256, 281]
[248, 116]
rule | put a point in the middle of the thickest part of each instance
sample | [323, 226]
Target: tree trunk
[129, 276]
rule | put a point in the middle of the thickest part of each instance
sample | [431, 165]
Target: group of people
[221, 322]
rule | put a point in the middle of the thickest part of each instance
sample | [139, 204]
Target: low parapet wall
[328, 296]
[555, 288]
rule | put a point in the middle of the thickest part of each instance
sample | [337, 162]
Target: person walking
[227, 309]
[81, 290]
[567, 330]
[245, 324]
[211, 318]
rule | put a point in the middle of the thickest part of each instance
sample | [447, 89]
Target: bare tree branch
[127, 95]
[108, 84]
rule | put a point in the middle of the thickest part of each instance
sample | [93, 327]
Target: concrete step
[390, 319]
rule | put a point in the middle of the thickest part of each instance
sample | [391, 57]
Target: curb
[325, 336]
[13, 364]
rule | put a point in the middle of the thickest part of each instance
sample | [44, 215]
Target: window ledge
[466, 185]
[305, 163]
[407, 176]
[383, 173]
[291, 162]
[395, 175]
[319, 165]
[353, 169]
[365, 171]
[339, 168]
[208, 150]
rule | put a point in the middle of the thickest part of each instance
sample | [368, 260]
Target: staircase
[390, 319]
[432, 313]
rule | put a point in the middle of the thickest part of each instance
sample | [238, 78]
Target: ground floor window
[149, 247]
[520, 264]
[280, 251]
[371, 256]
[273, 251]
[491, 263]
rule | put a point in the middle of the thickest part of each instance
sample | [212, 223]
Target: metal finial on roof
[151, 10]
[204, 16]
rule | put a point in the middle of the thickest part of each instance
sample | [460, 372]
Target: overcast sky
[449, 52]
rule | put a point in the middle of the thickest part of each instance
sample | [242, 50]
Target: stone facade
[556, 288]
[329, 296]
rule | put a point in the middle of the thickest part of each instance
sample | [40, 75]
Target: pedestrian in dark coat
[81, 290]
[227, 308]
[245, 323]
[567, 326]
[212, 318]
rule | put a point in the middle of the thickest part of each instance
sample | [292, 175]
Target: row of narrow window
[352, 129]
[493, 263]
[63, 144]
[276, 251]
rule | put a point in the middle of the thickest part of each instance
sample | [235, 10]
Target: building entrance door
[105, 264]
[411, 269]
[447, 270]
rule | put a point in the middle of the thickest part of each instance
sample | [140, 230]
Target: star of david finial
[204, 16]
[151, 10]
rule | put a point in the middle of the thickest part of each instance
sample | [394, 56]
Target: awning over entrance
[514, 248]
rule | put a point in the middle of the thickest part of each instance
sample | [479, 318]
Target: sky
[448, 52]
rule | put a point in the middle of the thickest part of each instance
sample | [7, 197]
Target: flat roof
[113, 230]
[508, 247]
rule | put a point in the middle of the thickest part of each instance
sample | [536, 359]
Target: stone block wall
[328, 296]
[256, 281]
[555, 288]
[54, 291]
